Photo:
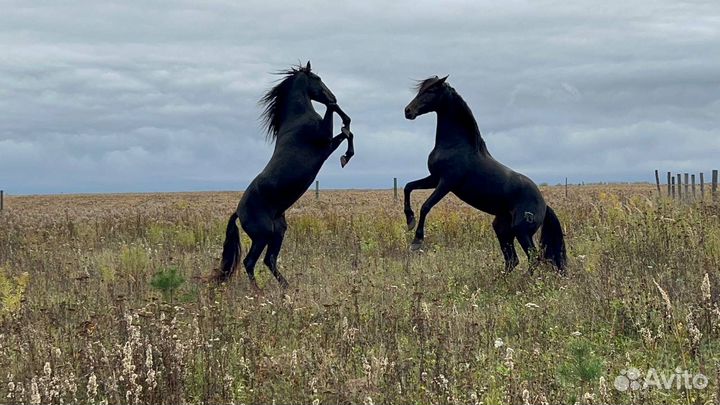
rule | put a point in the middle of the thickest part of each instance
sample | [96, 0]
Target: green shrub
[167, 281]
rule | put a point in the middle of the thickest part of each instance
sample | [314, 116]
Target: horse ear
[307, 67]
[441, 81]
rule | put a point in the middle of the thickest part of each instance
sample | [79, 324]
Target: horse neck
[297, 102]
[456, 126]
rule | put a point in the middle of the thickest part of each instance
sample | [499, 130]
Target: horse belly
[484, 197]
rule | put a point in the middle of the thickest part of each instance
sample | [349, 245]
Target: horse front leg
[344, 117]
[422, 184]
[442, 189]
[337, 140]
[350, 152]
[326, 127]
[344, 159]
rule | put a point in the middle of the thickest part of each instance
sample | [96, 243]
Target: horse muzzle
[410, 113]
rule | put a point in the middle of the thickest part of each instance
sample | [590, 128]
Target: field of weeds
[104, 299]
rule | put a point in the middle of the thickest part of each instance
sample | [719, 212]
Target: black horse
[303, 141]
[460, 163]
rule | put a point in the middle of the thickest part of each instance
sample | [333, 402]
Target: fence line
[689, 180]
[673, 186]
[317, 190]
[692, 181]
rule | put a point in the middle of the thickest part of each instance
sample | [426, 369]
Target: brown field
[104, 298]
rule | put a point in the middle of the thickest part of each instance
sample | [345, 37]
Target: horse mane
[422, 85]
[274, 99]
[469, 120]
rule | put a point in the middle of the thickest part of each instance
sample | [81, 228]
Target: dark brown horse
[303, 141]
[461, 164]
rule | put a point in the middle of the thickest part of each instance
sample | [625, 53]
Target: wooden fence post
[669, 176]
[673, 186]
[566, 188]
[714, 184]
[679, 186]
[692, 181]
[702, 186]
[687, 186]
[2, 203]
[395, 187]
[657, 181]
[317, 189]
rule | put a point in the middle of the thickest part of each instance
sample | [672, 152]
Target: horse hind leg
[258, 245]
[504, 233]
[524, 227]
[273, 250]
[260, 232]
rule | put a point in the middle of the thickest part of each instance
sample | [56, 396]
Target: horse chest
[441, 161]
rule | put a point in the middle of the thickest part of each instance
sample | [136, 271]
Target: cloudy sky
[114, 96]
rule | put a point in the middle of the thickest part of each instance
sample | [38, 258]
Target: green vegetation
[167, 281]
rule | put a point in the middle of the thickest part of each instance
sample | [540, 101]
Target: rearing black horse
[303, 141]
[460, 163]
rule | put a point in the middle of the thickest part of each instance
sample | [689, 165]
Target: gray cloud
[141, 96]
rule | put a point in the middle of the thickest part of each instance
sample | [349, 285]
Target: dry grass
[365, 320]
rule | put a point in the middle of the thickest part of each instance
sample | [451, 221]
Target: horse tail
[232, 251]
[552, 242]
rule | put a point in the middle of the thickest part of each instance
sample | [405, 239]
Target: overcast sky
[103, 96]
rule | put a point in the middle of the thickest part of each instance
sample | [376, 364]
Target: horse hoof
[411, 223]
[255, 289]
[284, 284]
[219, 277]
[343, 161]
[416, 245]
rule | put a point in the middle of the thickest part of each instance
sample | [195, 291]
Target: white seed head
[92, 387]
[509, 363]
[34, 393]
[666, 300]
[705, 289]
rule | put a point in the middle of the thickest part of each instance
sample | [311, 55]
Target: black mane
[469, 120]
[274, 98]
[421, 85]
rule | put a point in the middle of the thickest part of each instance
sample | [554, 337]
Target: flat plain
[106, 299]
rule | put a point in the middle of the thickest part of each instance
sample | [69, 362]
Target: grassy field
[104, 298]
